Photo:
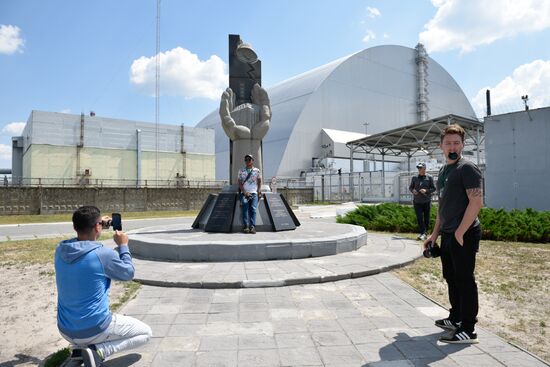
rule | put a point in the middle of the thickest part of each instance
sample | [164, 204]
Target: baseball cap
[249, 156]
[420, 165]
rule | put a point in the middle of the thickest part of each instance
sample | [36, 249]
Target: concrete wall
[49, 161]
[110, 149]
[37, 200]
[297, 196]
[518, 160]
[64, 129]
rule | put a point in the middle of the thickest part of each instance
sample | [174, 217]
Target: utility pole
[157, 94]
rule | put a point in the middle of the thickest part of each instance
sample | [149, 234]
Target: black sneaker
[91, 357]
[447, 324]
[252, 230]
[460, 336]
[245, 229]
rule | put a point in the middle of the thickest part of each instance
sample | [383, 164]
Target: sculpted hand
[260, 98]
[232, 130]
[259, 128]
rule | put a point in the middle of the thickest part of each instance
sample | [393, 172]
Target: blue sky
[79, 56]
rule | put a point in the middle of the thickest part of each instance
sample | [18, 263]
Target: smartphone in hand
[116, 221]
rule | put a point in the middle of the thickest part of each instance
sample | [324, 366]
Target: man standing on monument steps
[249, 191]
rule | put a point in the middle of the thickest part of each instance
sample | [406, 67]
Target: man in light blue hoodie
[83, 271]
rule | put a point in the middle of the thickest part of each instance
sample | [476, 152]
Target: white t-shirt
[250, 185]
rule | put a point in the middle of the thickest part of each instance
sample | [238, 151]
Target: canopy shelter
[423, 137]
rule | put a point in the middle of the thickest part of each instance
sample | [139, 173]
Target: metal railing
[358, 186]
[101, 182]
[365, 186]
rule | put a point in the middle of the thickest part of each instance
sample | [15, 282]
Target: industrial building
[372, 91]
[64, 149]
[517, 173]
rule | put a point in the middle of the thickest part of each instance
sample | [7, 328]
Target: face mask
[453, 156]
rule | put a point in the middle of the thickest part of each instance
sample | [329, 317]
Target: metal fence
[358, 186]
[365, 186]
[99, 182]
[374, 186]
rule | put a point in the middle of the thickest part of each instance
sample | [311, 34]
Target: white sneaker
[422, 237]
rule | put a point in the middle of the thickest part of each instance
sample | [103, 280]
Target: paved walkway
[279, 318]
[370, 321]
[382, 253]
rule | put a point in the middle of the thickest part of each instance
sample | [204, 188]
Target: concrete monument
[245, 110]
[245, 125]
[245, 113]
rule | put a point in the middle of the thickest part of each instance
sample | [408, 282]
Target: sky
[78, 56]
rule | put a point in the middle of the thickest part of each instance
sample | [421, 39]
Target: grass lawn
[513, 284]
[49, 218]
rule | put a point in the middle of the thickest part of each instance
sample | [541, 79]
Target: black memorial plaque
[290, 212]
[196, 222]
[221, 218]
[278, 211]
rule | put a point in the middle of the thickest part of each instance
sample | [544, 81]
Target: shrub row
[517, 225]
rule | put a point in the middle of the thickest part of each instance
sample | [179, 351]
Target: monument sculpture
[245, 125]
[245, 114]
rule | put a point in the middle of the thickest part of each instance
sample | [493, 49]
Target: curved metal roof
[376, 85]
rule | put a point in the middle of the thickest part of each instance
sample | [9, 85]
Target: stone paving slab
[382, 253]
[369, 321]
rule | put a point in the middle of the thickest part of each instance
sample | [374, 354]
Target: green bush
[58, 358]
[517, 225]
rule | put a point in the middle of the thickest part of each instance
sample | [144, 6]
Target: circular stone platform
[180, 242]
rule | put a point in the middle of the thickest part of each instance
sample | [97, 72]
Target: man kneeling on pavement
[84, 269]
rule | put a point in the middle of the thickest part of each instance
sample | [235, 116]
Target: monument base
[223, 213]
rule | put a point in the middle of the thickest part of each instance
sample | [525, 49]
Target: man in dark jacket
[422, 188]
[83, 272]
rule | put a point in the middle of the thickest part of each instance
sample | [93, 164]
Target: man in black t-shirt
[460, 193]
[422, 187]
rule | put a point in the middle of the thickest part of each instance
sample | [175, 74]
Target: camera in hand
[432, 250]
[115, 222]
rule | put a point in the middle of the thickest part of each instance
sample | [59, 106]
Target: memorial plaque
[278, 211]
[296, 221]
[205, 206]
[221, 219]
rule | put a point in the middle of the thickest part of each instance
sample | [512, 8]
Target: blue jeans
[249, 206]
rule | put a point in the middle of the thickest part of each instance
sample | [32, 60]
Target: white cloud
[5, 152]
[66, 110]
[373, 12]
[10, 39]
[532, 79]
[369, 36]
[466, 24]
[14, 128]
[182, 73]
